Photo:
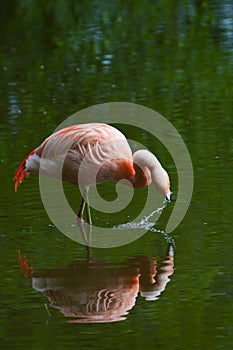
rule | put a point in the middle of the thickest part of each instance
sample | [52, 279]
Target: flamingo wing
[66, 148]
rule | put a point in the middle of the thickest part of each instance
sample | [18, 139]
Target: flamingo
[93, 153]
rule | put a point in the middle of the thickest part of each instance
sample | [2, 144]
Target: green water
[58, 57]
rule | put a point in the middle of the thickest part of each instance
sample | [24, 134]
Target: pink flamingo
[102, 152]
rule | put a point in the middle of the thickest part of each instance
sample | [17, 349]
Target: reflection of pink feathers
[101, 152]
[100, 291]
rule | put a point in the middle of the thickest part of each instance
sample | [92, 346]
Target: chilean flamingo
[102, 152]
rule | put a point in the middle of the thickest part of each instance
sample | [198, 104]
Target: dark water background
[58, 57]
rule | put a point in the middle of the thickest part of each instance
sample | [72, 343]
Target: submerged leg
[87, 236]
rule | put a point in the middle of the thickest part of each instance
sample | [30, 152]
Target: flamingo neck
[126, 169]
[141, 178]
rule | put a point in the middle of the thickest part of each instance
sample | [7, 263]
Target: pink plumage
[101, 152]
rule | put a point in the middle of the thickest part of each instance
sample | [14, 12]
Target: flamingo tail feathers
[22, 171]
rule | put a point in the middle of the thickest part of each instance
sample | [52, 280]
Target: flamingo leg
[81, 209]
[85, 204]
[88, 212]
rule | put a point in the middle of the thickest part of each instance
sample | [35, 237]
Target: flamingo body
[90, 154]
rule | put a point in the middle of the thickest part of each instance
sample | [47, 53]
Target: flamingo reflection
[100, 291]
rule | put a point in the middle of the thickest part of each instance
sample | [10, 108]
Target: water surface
[174, 57]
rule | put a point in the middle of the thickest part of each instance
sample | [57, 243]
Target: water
[174, 57]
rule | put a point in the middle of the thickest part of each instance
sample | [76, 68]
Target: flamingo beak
[168, 197]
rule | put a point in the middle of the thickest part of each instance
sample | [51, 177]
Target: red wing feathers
[21, 171]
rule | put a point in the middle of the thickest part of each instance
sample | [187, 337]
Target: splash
[144, 223]
[148, 225]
